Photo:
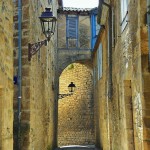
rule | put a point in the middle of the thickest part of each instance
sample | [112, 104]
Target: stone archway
[66, 57]
[76, 112]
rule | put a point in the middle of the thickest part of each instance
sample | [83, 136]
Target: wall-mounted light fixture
[48, 24]
[71, 88]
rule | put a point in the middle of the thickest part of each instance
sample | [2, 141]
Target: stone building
[34, 98]
[6, 75]
[74, 28]
[121, 76]
[76, 35]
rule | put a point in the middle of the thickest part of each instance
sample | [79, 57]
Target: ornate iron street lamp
[48, 24]
[71, 88]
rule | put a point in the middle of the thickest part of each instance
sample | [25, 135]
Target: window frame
[76, 30]
[95, 28]
[124, 14]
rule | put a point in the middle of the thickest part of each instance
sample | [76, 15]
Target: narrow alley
[75, 75]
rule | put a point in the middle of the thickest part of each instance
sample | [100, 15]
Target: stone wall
[76, 112]
[6, 75]
[123, 120]
[38, 113]
[83, 30]
[145, 78]
[101, 118]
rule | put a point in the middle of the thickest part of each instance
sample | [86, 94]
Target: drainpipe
[19, 72]
[110, 92]
[148, 23]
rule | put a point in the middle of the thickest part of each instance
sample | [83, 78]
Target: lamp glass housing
[71, 87]
[48, 23]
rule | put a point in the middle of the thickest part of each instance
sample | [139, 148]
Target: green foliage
[70, 67]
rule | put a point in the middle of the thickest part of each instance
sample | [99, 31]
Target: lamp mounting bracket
[60, 96]
[35, 47]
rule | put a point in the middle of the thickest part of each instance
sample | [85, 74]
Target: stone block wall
[145, 77]
[6, 75]
[38, 114]
[127, 98]
[61, 31]
[84, 32]
[123, 122]
[76, 112]
[101, 118]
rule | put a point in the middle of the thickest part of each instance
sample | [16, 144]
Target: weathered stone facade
[76, 112]
[81, 51]
[83, 29]
[6, 75]
[123, 118]
[38, 104]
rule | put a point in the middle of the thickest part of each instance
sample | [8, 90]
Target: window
[97, 27]
[72, 31]
[99, 61]
[95, 30]
[124, 13]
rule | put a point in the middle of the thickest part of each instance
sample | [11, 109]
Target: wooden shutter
[72, 27]
[72, 31]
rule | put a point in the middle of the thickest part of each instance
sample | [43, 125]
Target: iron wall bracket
[34, 48]
[60, 96]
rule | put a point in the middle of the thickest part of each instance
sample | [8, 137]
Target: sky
[80, 3]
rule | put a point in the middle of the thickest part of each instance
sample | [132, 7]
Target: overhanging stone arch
[66, 57]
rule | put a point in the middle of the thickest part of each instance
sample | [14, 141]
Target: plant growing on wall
[71, 66]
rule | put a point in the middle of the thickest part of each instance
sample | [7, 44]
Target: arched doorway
[76, 112]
